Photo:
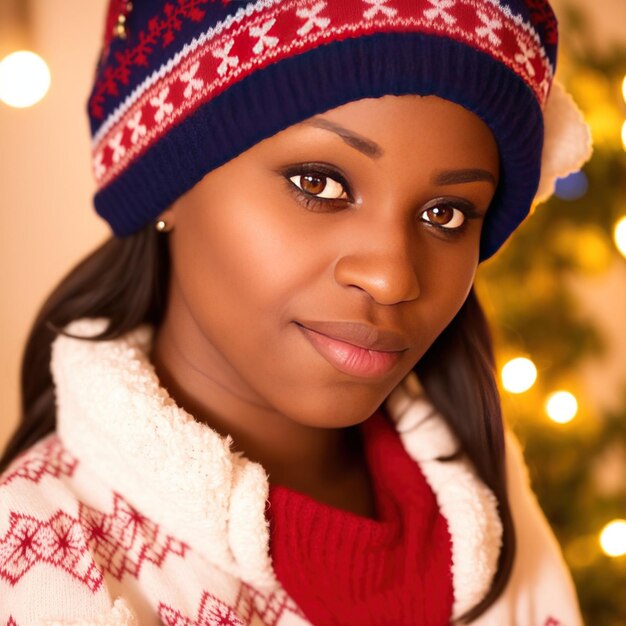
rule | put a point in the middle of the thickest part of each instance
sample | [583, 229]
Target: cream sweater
[134, 513]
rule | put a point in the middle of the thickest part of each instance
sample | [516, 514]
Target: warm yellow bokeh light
[24, 79]
[519, 375]
[561, 407]
[624, 135]
[619, 235]
[613, 538]
[586, 247]
[594, 92]
[593, 253]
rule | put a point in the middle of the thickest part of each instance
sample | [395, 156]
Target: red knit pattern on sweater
[342, 568]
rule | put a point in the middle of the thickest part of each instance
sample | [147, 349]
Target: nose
[383, 266]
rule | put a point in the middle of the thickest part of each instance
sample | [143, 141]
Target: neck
[294, 454]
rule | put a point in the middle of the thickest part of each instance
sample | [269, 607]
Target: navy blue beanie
[184, 86]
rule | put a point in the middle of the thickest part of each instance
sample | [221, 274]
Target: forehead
[400, 129]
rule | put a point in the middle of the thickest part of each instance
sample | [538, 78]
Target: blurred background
[556, 294]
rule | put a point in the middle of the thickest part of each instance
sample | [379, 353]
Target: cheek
[234, 256]
[451, 282]
[445, 282]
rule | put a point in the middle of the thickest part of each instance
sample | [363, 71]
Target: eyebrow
[358, 142]
[457, 177]
[374, 151]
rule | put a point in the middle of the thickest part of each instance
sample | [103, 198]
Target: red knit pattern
[211, 612]
[49, 458]
[342, 568]
[240, 47]
[257, 607]
[118, 543]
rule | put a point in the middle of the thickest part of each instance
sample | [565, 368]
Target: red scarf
[342, 568]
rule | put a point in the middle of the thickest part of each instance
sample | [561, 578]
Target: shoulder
[36, 483]
[540, 591]
[47, 543]
[75, 552]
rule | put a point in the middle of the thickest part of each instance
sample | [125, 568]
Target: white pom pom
[567, 142]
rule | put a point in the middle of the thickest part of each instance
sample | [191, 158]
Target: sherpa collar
[114, 416]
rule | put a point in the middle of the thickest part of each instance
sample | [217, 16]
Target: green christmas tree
[578, 469]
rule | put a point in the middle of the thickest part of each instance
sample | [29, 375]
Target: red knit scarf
[342, 568]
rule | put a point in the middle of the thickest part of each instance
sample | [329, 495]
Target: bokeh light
[624, 135]
[519, 375]
[593, 252]
[619, 235]
[24, 79]
[572, 187]
[613, 538]
[561, 407]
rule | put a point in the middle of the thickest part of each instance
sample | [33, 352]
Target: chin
[339, 409]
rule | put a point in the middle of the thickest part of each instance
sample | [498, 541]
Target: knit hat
[183, 86]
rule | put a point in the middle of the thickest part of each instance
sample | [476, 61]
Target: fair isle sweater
[133, 513]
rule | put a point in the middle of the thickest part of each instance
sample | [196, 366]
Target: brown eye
[313, 184]
[320, 185]
[444, 216]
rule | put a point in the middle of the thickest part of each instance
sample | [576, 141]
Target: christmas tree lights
[561, 407]
[519, 375]
[613, 538]
[619, 235]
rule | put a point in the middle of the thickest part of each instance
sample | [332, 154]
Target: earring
[162, 226]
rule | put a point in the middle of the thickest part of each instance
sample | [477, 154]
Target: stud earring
[162, 226]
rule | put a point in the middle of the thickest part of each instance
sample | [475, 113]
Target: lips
[360, 335]
[355, 348]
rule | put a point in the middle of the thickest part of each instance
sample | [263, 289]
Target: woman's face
[318, 266]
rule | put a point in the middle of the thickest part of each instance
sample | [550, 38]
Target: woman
[300, 194]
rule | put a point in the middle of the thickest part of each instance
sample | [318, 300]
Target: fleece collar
[113, 415]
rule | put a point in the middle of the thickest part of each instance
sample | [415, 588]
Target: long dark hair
[125, 280]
